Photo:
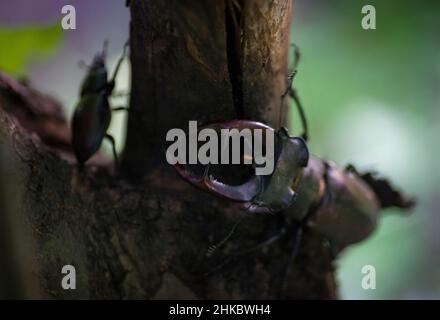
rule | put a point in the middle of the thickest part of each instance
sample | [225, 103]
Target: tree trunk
[143, 232]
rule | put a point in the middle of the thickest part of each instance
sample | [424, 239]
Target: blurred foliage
[24, 45]
[372, 100]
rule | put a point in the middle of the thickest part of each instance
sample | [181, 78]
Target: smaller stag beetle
[92, 114]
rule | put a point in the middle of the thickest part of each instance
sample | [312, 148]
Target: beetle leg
[213, 248]
[120, 109]
[296, 242]
[273, 238]
[115, 155]
[219, 266]
[291, 91]
[118, 65]
[293, 94]
[119, 94]
[296, 55]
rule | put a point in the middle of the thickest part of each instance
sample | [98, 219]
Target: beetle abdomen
[351, 213]
[90, 123]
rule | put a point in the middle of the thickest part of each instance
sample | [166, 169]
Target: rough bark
[147, 238]
[191, 62]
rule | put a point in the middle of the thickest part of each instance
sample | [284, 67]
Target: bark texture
[143, 232]
[190, 61]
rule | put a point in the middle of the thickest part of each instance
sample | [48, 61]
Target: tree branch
[181, 69]
[134, 241]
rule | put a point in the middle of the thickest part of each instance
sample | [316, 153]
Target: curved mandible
[238, 124]
[245, 192]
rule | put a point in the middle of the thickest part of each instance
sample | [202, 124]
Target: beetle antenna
[104, 49]
[118, 65]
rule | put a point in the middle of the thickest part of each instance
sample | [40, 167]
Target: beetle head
[302, 154]
[292, 156]
[302, 159]
[301, 151]
[99, 59]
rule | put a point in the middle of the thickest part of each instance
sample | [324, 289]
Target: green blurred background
[372, 99]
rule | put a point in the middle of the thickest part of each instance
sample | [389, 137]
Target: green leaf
[24, 45]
